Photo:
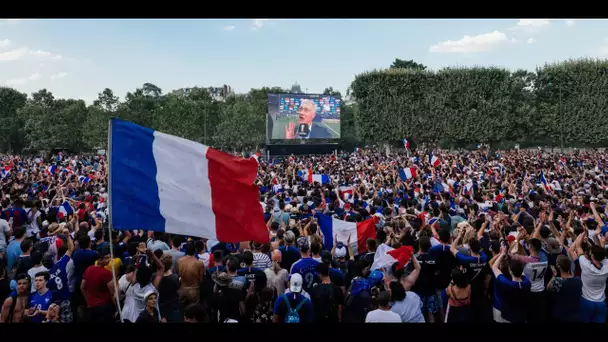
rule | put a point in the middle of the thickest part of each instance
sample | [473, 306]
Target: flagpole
[114, 281]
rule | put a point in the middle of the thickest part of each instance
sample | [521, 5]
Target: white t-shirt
[33, 228]
[134, 301]
[382, 316]
[409, 309]
[594, 279]
[4, 229]
[277, 280]
[32, 273]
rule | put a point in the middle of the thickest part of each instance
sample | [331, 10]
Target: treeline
[460, 107]
[453, 107]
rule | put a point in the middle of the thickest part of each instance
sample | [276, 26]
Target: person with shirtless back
[18, 310]
[192, 274]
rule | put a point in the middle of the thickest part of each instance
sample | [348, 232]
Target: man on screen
[306, 128]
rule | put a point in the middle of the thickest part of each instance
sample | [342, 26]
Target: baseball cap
[303, 244]
[295, 283]
[340, 251]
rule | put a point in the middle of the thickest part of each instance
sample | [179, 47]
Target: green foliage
[452, 107]
[455, 107]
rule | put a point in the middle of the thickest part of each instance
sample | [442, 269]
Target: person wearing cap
[383, 314]
[229, 293]
[150, 314]
[289, 253]
[292, 300]
[306, 266]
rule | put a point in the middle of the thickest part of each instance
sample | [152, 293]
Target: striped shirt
[261, 261]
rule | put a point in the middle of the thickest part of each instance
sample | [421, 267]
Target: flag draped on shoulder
[164, 183]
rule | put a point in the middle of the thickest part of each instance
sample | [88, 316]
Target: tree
[403, 64]
[11, 127]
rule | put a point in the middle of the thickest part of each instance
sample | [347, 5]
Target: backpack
[350, 295]
[292, 313]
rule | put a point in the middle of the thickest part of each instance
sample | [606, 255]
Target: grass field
[278, 127]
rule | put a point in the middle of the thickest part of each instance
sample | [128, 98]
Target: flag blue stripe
[135, 201]
[326, 226]
[402, 174]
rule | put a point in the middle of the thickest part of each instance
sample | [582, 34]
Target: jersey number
[309, 279]
[536, 275]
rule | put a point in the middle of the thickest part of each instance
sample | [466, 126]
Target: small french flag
[434, 160]
[66, 208]
[320, 178]
[407, 173]
[4, 173]
[544, 181]
[347, 192]
[51, 169]
[562, 162]
[357, 149]
[83, 179]
[406, 144]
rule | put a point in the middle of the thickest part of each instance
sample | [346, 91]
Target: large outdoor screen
[303, 116]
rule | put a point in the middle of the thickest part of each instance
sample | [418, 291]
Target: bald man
[306, 128]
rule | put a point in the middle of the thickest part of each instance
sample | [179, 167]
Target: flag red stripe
[365, 230]
[235, 199]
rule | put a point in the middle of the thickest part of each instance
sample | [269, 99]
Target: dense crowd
[507, 236]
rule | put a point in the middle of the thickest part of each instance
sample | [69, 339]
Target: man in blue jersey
[475, 268]
[511, 296]
[18, 214]
[306, 266]
[41, 299]
[59, 280]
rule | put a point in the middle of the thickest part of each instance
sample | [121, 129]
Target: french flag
[543, 180]
[434, 160]
[169, 184]
[4, 173]
[51, 169]
[386, 256]
[562, 162]
[84, 179]
[321, 178]
[407, 173]
[347, 192]
[406, 144]
[357, 149]
[359, 232]
[66, 208]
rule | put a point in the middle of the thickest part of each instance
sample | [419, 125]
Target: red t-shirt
[96, 289]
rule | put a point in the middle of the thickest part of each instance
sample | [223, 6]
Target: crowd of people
[505, 236]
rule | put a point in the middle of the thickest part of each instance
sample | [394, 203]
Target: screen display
[303, 116]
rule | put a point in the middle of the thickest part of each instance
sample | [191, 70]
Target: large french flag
[407, 173]
[164, 183]
[359, 232]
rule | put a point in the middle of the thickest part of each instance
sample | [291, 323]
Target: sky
[78, 58]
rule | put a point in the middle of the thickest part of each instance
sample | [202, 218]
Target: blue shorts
[592, 312]
[429, 304]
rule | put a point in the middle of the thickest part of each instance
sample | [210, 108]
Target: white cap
[295, 283]
[340, 252]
